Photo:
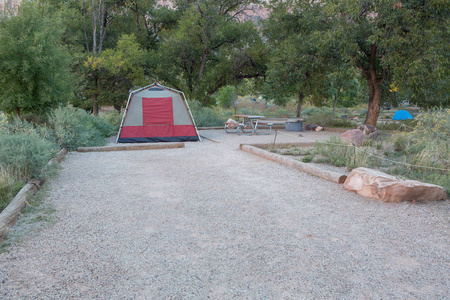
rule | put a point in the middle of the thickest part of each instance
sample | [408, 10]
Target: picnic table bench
[248, 125]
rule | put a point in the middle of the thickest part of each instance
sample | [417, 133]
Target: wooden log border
[308, 168]
[10, 214]
[132, 147]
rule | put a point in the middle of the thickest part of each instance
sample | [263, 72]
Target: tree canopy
[314, 50]
[388, 42]
[34, 65]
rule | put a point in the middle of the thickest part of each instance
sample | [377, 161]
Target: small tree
[120, 69]
[34, 67]
[227, 96]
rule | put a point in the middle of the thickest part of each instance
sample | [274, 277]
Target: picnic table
[248, 125]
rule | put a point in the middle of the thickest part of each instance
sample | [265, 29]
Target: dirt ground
[211, 221]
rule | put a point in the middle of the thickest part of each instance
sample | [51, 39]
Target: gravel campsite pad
[210, 221]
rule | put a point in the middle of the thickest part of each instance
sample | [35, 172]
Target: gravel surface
[210, 221]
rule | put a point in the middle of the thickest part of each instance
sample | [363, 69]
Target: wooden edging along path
[10, 214]
[145, 146]
[308, 168]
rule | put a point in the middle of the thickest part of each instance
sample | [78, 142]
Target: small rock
[373, 135]
[367, 128]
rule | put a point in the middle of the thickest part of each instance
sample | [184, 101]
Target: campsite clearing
[209, 220]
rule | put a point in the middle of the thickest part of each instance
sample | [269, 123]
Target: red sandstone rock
[353, 136]
[387, 188]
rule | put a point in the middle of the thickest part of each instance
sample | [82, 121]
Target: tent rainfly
[157, 113]
[402, 115]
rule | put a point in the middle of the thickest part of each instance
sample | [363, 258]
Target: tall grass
[344, 155]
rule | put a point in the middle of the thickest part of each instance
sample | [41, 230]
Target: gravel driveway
[210, 221]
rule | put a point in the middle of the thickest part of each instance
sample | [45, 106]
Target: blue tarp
[402, 115]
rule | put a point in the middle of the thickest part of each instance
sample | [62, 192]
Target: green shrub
[400, 142]
[314, 111]
[76, 128]
[406, 125]
[113, 118]
[205, 116]
[226, 96]
[25, 155]
[325, 118]
[9, 187]
[307, 159]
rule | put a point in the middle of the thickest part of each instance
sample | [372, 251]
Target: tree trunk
[336, 96]
[95, 105]
[373, 108]
[299, 105]
[200, 72]
[374, 82]
[17, 112]
[95, 96]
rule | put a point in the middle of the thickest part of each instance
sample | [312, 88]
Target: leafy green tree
[405, 43]
[391, 42]
[34, 65]
[298, 64]
[123, 69]
[226, 96]
[343, 86]
[146, 19]
[209, 48]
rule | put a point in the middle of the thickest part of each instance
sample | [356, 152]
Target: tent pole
[123, 117]
[192, 118]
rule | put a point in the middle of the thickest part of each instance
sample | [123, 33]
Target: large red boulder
[387, 188]
[353, 136]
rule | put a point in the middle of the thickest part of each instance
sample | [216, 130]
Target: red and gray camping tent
[157, 113]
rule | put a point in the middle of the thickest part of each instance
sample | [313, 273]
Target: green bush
[314, 111]
[113, 118]
[9, 187]
[307, 159]
[226, 96]
[205, 116]
[76, 128]
[406, 125]
[325, 118]
[25, 155]
[249, 111]
[400, 142]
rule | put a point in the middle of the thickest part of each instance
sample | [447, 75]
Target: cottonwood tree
[298, 62]
[97, 18]
[122, 68]
[400, 42]
[209, 48]
[34, 64]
